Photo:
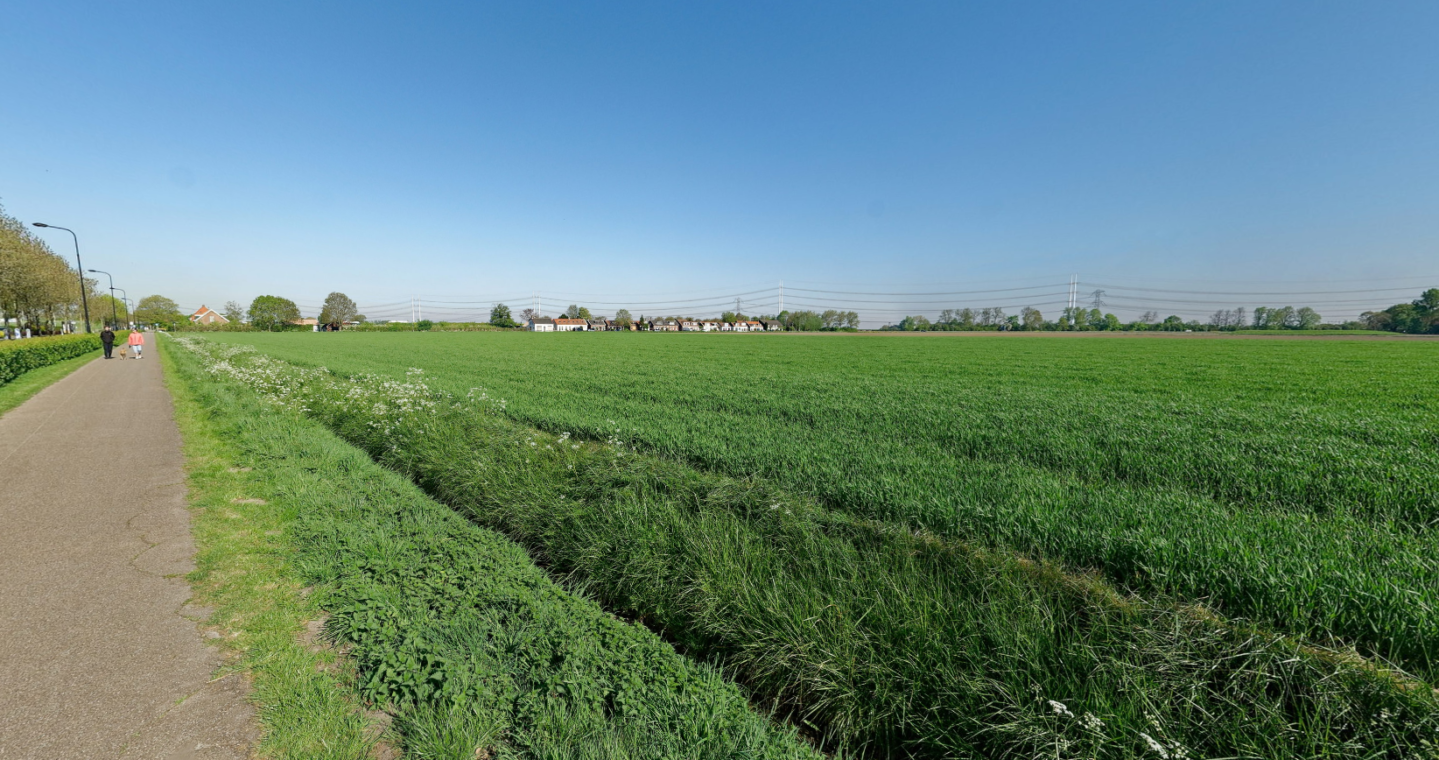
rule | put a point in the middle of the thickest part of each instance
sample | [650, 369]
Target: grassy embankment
[1291, 483]
[883, 638]
[448, 625]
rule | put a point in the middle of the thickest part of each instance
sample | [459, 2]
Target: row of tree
[38, 289]
[500, 316]
[1081, 319]
[1416, 317]
[266, 313]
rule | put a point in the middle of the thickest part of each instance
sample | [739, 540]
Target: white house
[565, 324]
[541, 324]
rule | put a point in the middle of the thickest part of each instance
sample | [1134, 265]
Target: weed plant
[883, 639]
[1292, 483]
[454, 628]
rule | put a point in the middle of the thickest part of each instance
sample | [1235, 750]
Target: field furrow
[1291, 483]
[887, 640]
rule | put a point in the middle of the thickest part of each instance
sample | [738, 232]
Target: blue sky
[681, 151]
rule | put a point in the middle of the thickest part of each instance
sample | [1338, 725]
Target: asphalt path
[100, 656]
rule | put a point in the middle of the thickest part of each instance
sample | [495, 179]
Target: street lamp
[79, 269]
[114, 320]
[125, 299]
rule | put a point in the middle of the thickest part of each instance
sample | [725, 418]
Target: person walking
[137, 342]
[107, 339]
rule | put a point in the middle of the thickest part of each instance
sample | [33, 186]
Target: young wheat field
[951, 546]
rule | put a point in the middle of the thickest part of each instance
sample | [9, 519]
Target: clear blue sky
[219, 151]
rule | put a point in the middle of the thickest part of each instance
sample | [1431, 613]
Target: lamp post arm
[79, 271]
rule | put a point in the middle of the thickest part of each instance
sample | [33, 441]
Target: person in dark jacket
[107, 339]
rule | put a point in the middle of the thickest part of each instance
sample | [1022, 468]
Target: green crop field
[956, 546]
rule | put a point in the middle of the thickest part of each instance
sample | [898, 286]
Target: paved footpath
[97, 656]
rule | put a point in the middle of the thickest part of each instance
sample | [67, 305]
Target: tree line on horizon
[273, 313]
[811, 321]
[1418, 316]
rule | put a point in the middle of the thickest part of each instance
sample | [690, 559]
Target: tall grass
[1291, 483]
[883, 639]
[454, 628]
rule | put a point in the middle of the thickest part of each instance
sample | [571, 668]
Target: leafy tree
[577, 312]
[623, 318]
[1306, 319]
[338, 308]
[1172, 323]
[1111, 322]
[424, 325]
[1031, 318]
[1283, 318]
[806, 321]
[234, 312]
[500, 316]
[914, 324]
[272, 313]
[38, 289]
[1419, 316]
[160, 311]
[110, 310]
[528, 314]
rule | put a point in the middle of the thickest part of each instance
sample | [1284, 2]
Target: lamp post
[114, 320]
[79, 269]
[125, 299]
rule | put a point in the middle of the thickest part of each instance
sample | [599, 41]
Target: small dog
[124, 351]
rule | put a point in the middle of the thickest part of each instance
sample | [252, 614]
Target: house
[565, 324]
[689, 325]
[601, 325]
[772, 325]
[710, 325]
[208, 316]
[752, 326]
[541, 324]
[739, 326]
[664, 325]
[310, 322]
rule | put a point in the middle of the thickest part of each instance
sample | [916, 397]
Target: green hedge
[20, 356]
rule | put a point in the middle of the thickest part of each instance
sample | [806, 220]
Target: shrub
[20, 356]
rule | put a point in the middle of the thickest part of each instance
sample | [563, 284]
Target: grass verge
[887, 641]
[245, 571]
[450, 626]
[19, 390]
